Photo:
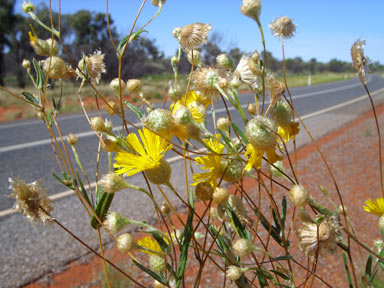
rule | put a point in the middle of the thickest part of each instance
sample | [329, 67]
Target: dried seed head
[283, 27]
[43, 47]
[115, 85]
[251, 108]
[31, 200]
[244, 73]
[261, 132]
[224, 61]
[234, 272]
[298, 195]
[203, 191]
[72, 139]
[27, 7]
[193, 35]
[157, 263]
[276, 88]
[97, 124]
[251, 9]
[115, 222]
[26, 64]
[165, 209]
[359, 62]
[192, 131]
[196, 57]
[242, 247]
[125, 243]
[110, 145]
[220, 195]
[160, 174]
[57, 68]
[94, 64]
[282, 113]
[112, 183]
[157, 3]
[206, 81]
[318, 238]
[161, 121]
[223, 124]
[254, 64]
[112, 108]
[134, 85]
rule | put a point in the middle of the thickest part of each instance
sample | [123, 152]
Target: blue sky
[325, 29]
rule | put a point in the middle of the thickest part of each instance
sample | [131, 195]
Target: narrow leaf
[135, 110]
[151, 273]
[227, 141]
[282, 275]
[82, 189]
[281, 258]
[239, 227]
[261, 278]
[347, 270]
[276, 220]
[284, 210]
[240, 133]
[102, 208]
[29, 97]
[160, 240]
[40, 77]
[125, 40]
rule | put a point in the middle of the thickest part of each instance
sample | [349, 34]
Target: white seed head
[283, 27]
[244, 73]
[95, 65]
[359, 62]
[112, 183]
[161, 121]
[193, 35]
[234, 272]
[242, 247]
[115, 222]
[125, 243]
[251, 8]
[298, 195]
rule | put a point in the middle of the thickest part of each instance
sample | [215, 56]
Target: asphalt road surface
[28, 252]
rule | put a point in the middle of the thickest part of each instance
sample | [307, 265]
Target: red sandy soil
[351, 151]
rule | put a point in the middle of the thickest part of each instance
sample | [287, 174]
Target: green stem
[37, 20]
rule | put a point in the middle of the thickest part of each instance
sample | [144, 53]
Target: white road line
[178, 157]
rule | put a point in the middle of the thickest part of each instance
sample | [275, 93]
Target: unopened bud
[342, 211]
[234, 272]
[157, 3]
[233, 170]
[57, 68]
[224, 61]
[133, 85]
[115, 85]
[261, 132]
[183, 116]
[175, 60]
[196, 57]
[165, 209]
[27, 7]
[298, 195]
[108, 126]
[112, 183]
[203, 191]
[112, 108]
[242, 247]
[235, 83]
[125, 243]
[115, 222]
[160, 174]
[26, 64]
[223, 124]
[220, 195]
[251, 108]
[97, 124]
[161, 121]
[157, 263]
[110, 145]
[72, 139]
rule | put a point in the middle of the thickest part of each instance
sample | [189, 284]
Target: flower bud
[97, 124]
[110, 145]
[108, 126]
[224, 61]
[196, 57]
[165, 209]
[40, 115]
[72, 139]
[183, 116]
[233, 170]
[277, 172]
[133, 85]
[157, 3]
[235, 83]
[157, 263]
[27, 7]
[26, 64]
[175, 60]
[220, 195]
[115, 222]
[115, 85]
[298, 195]
[223, 83]
[234, 272]
[242, 247]
[112, 108]
[161, 121]
[261, 132]
[192, 131]
[125, 243]
[282, 113]
[160, 174]
[203, 191]
[340, 210]
[251, 108]
[251, 9]
[223, 124]
[112, 183]
[177, 236]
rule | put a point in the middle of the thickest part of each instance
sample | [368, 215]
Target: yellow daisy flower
[148, 156]
[375, 207]
[289, 131]
[255, 155]
[195, 102]
[150, 244]
[211, 162]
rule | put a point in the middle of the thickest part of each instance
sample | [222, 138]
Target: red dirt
[353, 157]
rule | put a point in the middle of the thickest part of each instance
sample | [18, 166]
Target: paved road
[25, 152]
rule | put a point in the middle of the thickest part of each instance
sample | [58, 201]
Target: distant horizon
[348, 21]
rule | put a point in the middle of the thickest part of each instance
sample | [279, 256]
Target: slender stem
[264, 64]
[102, 254]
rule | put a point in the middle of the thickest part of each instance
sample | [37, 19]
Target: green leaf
[40, 77]
[281, 258]
[284, 210]
[151, 273]
[135, 110]
[368, 267]
[29, 97]
[102, 209]
[239, 227]
[381, 263]
[347, 270]
[70, 185]
[82, 189]
[261, 277]
[276, 220]
[282, 275]
[125, 40]
[85, 68]
[240, 133]
[184, 247]
[163, 245]
[227, 141]
[49, 119]
[99, 192]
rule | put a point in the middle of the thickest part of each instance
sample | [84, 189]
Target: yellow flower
[148, 156]
[195, 102]
[210, 162]
[289, 131]
[148, 243]
[255, 155]
[375, 207]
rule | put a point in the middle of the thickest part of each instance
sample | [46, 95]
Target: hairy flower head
[148, 155]
[192, 36]
[251, 9]
[359, 62]
[282, 115]
[206, 81]
[31, 200]
[57, 68]
[283, 27]
[94, 65]
[161, 121]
